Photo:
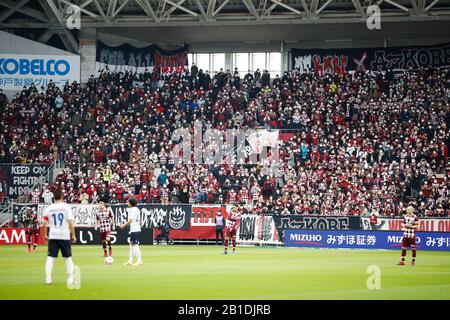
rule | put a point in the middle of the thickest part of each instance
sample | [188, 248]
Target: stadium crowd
[358, 144]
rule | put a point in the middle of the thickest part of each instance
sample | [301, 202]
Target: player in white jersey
[134, 220]
[58, 218]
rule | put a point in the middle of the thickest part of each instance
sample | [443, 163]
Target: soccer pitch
[203, 272]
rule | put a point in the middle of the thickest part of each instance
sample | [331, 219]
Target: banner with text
[130, 58]
[393, 224]
[351, 239]
[118, 236]
[16, 236]
[341, 61]
[295, 222]
[20, 178]
[19, 70]
[257, 229]
[177, 216]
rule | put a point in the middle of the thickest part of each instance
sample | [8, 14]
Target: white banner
[84, 214]
[263, 138]
[393, 224]
[19, 70]
[257, 230]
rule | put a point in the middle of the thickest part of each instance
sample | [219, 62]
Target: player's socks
[104, 248]
[34, 247]
[110, 248]
[130, 258]
[413, 257]
[137, 252]
[69, 270]
[403, 255]
[234, 245]
[48, 270]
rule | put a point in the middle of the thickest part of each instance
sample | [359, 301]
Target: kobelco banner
[18, 70]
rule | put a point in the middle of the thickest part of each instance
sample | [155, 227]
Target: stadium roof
[139, 13]
[117, 16]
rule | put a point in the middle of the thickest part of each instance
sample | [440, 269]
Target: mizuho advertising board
[18, 70]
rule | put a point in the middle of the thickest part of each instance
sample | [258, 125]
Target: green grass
[203, 272]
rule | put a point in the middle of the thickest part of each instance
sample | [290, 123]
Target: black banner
[342, 61]
[19, 213]
[177, 216]
[128, 57]
[20, 178]
[87, 236]
[293, 222]
[247, 227]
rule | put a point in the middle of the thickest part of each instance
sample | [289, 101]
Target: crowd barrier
[197, 223]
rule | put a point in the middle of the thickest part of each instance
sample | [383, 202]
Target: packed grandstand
[351, 144]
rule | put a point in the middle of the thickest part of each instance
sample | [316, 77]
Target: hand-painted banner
[20, 179]
[177, 216]
[351, 239]
[341, 61]
[130, 58]
[19, 211]
[392, 224]
[257, 229]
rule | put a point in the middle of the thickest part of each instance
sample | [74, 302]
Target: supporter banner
[16, 236]
[177, 216]
[361, 59]
[127, 57]
[257, 229]
[19, 213]
[91, 236]
[20, 178]
[19, 70]
[262, 138]
[351, 239]
[205, 215]
[392, 224]
[294, 222]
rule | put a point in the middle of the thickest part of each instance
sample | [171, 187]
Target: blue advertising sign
[352, 239]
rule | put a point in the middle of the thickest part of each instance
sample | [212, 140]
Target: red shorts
[105, 235]
[230, 233]
[408, 242]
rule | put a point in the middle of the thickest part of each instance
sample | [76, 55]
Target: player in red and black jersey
[233, 220]
[32, 229]
[105, 221]
[409, 226]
